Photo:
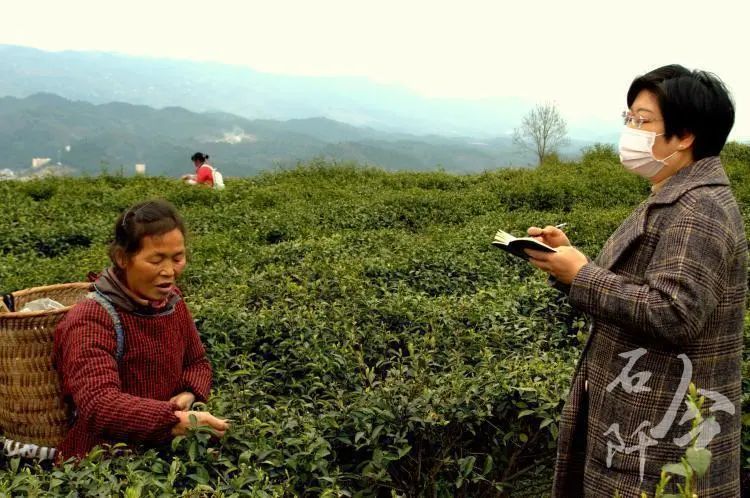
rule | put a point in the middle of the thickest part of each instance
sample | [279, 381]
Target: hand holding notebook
[516, 245]
[546, 240]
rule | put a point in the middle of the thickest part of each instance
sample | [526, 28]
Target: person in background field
[203, 171]
[144, 396]
[667, 299]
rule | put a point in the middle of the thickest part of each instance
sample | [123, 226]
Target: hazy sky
[581, 54]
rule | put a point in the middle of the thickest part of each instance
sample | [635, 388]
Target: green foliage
[696, 461]
[366, 338]
[736, 152]
[600, 154]
[552, 158]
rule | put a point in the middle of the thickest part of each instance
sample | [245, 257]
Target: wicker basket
[31, 407]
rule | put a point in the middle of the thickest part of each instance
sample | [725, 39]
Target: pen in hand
[552, 236]
[561, 225]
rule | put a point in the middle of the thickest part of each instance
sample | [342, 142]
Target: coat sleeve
[86, 360]
[196, 369]
[564, 288]
[684, 280]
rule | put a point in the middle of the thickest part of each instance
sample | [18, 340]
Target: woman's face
[645, 110]
[646, 107]
[152, 272]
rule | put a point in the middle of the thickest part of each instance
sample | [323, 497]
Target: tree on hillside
[542, 131]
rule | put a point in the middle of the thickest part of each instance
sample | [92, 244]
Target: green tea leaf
[699, 459]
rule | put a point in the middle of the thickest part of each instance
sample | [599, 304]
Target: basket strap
[119, 332]
[9, 302]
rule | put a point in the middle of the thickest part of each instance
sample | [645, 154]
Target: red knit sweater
[128, 402]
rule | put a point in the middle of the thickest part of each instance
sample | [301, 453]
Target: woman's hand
[552, 236]
[564, 264]
[203, 419]
[184, 400]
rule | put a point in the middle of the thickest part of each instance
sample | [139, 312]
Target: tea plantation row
[366, 339]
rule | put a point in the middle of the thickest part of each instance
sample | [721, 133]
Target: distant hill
[115, 134]
[202, 86]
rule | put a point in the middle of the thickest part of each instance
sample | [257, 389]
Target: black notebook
[516, 245]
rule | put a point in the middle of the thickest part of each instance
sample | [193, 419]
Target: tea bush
[366, 339]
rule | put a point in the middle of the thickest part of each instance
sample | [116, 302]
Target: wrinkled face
[152, 272]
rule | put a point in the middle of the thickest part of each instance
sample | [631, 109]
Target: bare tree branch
[543, 130]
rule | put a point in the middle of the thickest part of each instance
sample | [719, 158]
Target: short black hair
[199, 156]
[694, 102]
[154, 217]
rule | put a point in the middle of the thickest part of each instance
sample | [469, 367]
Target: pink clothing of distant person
[204, 175]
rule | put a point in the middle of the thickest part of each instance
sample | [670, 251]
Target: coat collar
[707, 171]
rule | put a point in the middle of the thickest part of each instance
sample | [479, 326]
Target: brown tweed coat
[667, 300]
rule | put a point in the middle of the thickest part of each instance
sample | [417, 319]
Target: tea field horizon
[366, 338]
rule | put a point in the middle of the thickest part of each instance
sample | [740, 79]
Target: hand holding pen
[553, 236]
[564, 264]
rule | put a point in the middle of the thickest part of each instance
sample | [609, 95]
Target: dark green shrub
[736, 152]
[366, 338]
[600, 153]
[40, 190]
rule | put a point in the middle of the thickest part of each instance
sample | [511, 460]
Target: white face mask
[636, 152]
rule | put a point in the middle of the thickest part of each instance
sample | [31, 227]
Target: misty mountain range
[77, 99]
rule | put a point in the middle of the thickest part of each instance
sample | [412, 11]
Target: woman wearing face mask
[130, 358]
[666, 296]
